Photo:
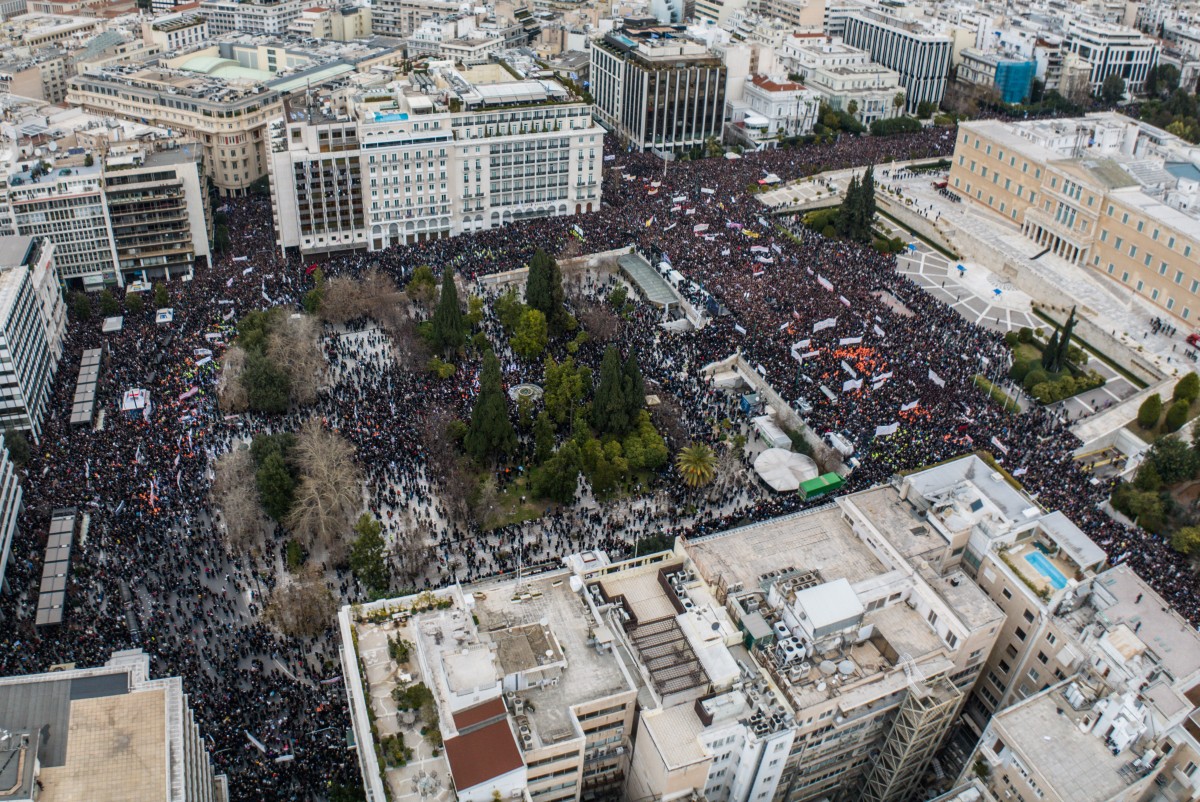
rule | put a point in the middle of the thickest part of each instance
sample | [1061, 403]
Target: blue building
[1011, 76]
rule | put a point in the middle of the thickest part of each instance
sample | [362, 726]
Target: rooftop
[1051, 736]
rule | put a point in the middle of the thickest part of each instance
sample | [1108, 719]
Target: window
[1187, 251]
[932, 618]
[1154, 236]
[1020, 633]
[1011, 651]
[1029, 616]
[1170, 303]
[1042, 658]
[1104, 235]
[1051, 639]
[1004, 666]
[1141, 224]
[1154, 295]
[1033, 674]
[1006, 593]
[1140, 284]
[1178, 276]
[1117, 244]
[1125, 277]
[1125, 218]
[1149, 258]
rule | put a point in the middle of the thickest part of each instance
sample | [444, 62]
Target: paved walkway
[991, 300]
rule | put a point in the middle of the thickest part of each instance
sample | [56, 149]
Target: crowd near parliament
[800, 308]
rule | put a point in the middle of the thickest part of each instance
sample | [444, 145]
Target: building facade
[370, 170]
[1011, 77]
[1112, 50]
[402, 17]
[844, 77]
[920, 55]
[32, 322]
[260, 17]
[11, 496]
[1106, 192]
[771, 110]
[657, 88]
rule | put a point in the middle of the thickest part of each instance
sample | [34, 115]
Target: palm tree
[698, 464]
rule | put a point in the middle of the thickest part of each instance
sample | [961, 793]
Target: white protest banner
[850, 341]
[936, 379]
[884, 431]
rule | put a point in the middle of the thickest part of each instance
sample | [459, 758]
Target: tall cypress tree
[634, 387]
[847, 214]
[544, 290]
[1050, 353]
[449, 330]
[490, 432]
[1064, 343]
[866, 204]
[610, 412]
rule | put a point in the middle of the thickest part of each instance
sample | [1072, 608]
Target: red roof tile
[465, 719]
[482, 755]
[769, 85]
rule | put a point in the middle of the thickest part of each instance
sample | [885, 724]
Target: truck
[822, 485]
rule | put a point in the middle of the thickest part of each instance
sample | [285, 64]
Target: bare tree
[410, 350]
[668, 418]
[234, 493]
[411, 557]
[329, 494]
[344, 299]
[440, 448]
[304, 607]
[600, 322]
[231, 394]
[293, 345]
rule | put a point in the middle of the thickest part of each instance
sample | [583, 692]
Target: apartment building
[1122, 722]
[402, 17]
[529, 698]
[258, 17]
[1103, 191]
[176, 33]
[843, 75]
[11, 497]
[1110, 49]
[341, 24]
[40, 30]
[430, 156]
[1011, 76]
[918, 52]
[42, 76]
[109, 732]
[656, 87]
[804, 15]
[159, 211]
[32, 321]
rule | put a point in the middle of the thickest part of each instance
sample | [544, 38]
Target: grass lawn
[512, 509]
[997, 395]
[1025, 352]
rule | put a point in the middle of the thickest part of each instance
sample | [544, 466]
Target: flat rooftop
[817, 540]
[515, 627]
[1044, 730]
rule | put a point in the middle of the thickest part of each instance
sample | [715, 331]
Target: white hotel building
[430, 156]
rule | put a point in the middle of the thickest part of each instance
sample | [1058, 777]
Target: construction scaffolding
[921, 724]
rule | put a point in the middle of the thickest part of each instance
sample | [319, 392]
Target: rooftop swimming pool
[1047, 569]
[396, 117]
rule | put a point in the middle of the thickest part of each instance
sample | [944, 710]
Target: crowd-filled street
[800, 307]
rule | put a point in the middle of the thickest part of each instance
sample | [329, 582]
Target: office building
[341, 24]
[1112, 50]
[1118, 196]
[11, 496]
[657, 88]
[104, 733]
[42, 76]
[433, 155]
[259, 17]
[32, 321]
[918, 52]
[176, 33]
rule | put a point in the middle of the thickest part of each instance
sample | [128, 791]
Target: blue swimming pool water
[380, 117]
[1047, 569]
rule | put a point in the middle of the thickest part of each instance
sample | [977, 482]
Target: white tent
[784, 470]
[771, 432]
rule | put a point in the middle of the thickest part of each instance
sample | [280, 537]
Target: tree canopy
[544, 290]
[490, 432]
[449, 328]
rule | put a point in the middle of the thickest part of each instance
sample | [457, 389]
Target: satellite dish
[52, 147]
[716, 626]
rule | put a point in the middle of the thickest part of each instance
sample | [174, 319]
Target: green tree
[421, 285]
[618, 297]
[564, 388]
[368, 556]
[134, 303]
[697, 463]
[18, 447]
[108, 304]
[490, 432]
[267, 385]
[558, 477]
[1186, 540]
[1177, 415]
[1188, 388]
[1146, 509]
[898, 101]
[633, 387]
[1050, 354]
[1173, 460]
[221, 239]
[474, 310]
[1064, 343]
[848, 214]
[1149, 412]
[449, 329]
[264, 445]
[544, 290]
[644, 447]
[81, 305]
[543, 437]
[1112, 91]
[276, 486]
[1147, 479]
[162, 298]
[610, 410]
[925, 109]
[529, 340]
[313, 298]
[509, 309]
[604, 464]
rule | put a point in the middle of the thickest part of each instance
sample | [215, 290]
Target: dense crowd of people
[831, 325]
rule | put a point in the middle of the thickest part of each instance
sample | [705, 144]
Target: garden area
[854, 219]
[1050, 370]
[1156, 418]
